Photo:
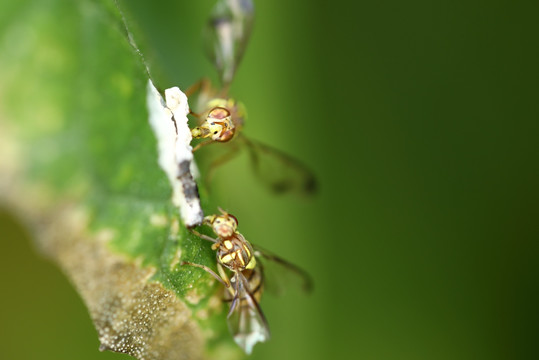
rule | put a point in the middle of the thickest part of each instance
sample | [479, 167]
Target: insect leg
[202, 84]
[201, 144]
[205, 237]
[191, 112]
[236, 298]
[207, 269]
[223, 274]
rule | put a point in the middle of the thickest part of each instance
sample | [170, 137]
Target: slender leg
[223, 274]
[235, 299]
[191, 112]
[201, 144]
[207, 269]
[205, 237]
[201, 84]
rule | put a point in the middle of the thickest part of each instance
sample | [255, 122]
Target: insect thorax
[236, 254]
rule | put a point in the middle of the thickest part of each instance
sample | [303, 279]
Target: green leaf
[79, 162]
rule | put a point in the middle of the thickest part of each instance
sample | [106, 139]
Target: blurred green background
[420, 120]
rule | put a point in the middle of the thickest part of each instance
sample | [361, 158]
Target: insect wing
[280, 274]
[227, 34]
[279, 171]
[246, 321]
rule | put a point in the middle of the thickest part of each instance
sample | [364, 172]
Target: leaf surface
[79, 163]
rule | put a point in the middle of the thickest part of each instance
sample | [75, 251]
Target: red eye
[218, 113]
[226, 135]
[235, 219]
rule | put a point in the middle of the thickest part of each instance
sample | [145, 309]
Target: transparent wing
[246, 321]
[279, 171]
[227, 34]
[276, 170]
[280, 274]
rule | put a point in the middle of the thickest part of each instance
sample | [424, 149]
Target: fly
[242, 274]
[222, 117]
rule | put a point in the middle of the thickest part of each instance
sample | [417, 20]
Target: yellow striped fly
[221, 117]
[243, 289]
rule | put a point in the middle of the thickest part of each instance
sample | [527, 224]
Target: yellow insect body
[244, 288]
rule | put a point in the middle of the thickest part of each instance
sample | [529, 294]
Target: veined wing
[227, 34]
[278, 170]
[246, 320]
[280, 273]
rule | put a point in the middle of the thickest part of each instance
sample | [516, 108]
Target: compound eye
[235, 219]
[226, 136]
[218, 113]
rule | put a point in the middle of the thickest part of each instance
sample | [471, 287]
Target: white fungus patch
[169, 123]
